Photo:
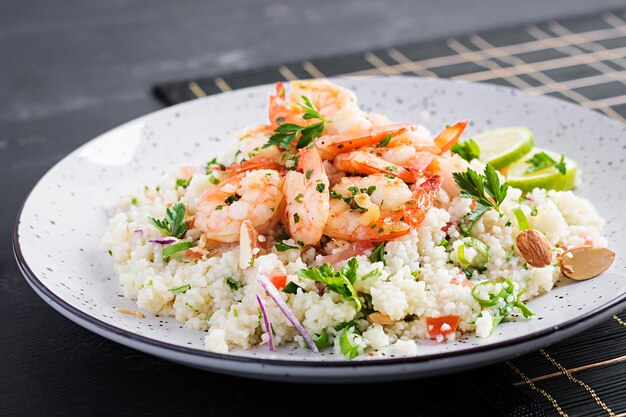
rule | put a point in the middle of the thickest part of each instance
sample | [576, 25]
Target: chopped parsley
[384, 142]
[286, 133]
[467, 150]
[173, 224]
[298, 198]
[180, 182]
[296, 218]
[219, 207]
[337, 281]
[292, 288]
[320, 187]
[542, 160]
[308, 174]
[134, 201]
[282, 247]
[233, 283]
[180, 290]
[231, 199]
[479, 188]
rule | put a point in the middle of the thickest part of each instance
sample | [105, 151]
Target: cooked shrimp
[255, 163]
[307, 198]
[365, 163]
[250, 143]
[364, 219]
[252, 195]
[279, 110]
[450, 135]
[332, 145]
[335, 103]
[446, 166]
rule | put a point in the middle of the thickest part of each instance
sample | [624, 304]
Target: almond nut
[533, 246]
[584, 262]
[380, 318]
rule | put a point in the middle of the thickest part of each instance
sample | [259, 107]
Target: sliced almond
[584, 262]
[247, 243]
[533, 246]
[380, 318]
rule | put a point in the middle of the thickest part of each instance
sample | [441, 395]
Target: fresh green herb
[534, 212]
[219, 207]
[370, 190]
[211, 163]
[308, 174]
[296, 218]
[467, 150]
[232, 198]
[192, 307]
[354, 190]
[286, 133]
[235, 312]
[298, 198]
[213, 180]
[384, 142]
[373, 273]
[134, 201]
[110, 252]
[479, 188]
[320, 187]
[389, 176]
[446, 245]
[349, 343]
[322, 341]
[542, 160]
[173, 224]
[335, 194]
[180, 290]
[175, 248]
[338, 281]
[233, 283]
[283, 235]
[281, 247]
[378, 255]
[416, 274]
[391, 168]
[301, 243]
[503, 301]
[292, 288]
[180, 182]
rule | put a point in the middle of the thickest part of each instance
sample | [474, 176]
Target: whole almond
[533, 246]
[380, 318]
[584, 262]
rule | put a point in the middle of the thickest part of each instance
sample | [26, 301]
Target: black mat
[581, 60]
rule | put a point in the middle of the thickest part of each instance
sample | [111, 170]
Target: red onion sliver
[163, 240]
[268, 326]
[138, 232]
[275, 295]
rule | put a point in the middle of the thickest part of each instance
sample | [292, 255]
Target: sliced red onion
[268, 326]
[275, 295]
[138, 232]
[163, 240]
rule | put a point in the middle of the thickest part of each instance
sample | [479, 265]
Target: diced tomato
[434, 324]
[446, 227]
[279, 281]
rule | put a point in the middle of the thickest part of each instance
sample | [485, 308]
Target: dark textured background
[70, 70]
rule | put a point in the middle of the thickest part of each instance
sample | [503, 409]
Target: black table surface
[70, 70]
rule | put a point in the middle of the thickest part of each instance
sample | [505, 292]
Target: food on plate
[345, 232]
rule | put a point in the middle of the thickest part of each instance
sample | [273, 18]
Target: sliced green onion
[322, 341]
[175, 248]
[522, 221]
[493, 298]
[180, 290]
[346, 342]
[481, 259]
[461, 255]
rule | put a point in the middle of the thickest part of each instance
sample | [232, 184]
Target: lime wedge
[549, 178]
[501, 147]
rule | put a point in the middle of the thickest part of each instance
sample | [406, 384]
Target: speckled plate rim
[498, 351]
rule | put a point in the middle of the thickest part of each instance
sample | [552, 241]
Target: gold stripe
[195, 89]
[409, 65]
[620, 321]
[312, 70]
[539, 390]
[577, 369]
[530, 46]
[286, 72]
[579, 382]
[496, 69]
[221, 84]
[379, 64]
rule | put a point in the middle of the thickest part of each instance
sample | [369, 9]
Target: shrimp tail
[256, 163]
[450, 135]
[416, 209]
[278, 107]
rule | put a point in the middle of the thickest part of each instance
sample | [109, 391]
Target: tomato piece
[279, 281]
[435, 324]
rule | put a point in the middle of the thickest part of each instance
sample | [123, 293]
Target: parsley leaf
[474, 185]
[378, 255]
[180, 182]
[467, 150]
[384, 142]
[233, 283]
[173, 224]
[292, 288]
[338, 281]
[175, 248]
[286, 133]
[542, 160]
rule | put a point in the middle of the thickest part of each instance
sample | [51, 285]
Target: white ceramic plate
[59, 228]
